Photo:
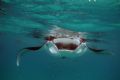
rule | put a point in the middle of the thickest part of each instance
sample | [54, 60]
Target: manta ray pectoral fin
[19, 54]
[99, 51]
[24, 50]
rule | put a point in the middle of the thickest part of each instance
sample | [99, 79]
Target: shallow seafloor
[23, 21]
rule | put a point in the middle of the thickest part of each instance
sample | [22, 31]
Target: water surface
[21, 19]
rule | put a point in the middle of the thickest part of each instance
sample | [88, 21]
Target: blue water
[21, 19]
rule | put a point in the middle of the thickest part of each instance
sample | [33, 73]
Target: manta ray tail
[24, 50]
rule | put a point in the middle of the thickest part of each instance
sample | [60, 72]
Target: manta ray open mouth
[66, 43]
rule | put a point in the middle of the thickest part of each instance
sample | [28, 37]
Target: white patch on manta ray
[80, 49]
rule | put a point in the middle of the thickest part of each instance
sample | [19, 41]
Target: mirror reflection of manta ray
[65, 43]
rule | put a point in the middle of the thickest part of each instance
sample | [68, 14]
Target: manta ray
[64, 43]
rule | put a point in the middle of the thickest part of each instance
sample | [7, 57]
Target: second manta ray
[64, 43]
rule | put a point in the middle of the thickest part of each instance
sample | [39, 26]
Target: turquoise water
[23, 21]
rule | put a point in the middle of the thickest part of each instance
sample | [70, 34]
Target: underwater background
[22, 23]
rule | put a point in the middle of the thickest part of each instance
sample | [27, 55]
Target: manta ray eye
[49, 38]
